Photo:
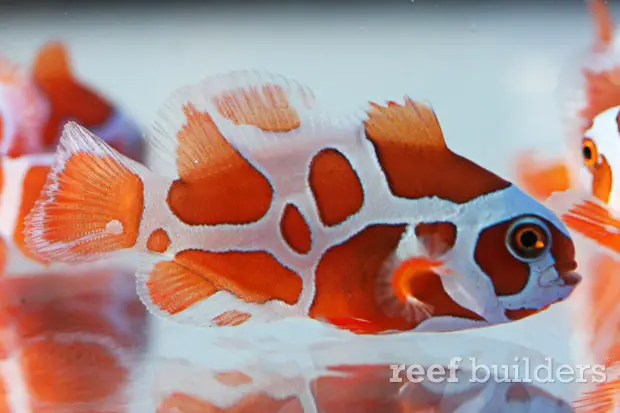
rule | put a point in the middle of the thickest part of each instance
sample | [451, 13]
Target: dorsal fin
[603, 22]
[413, 118]
[253, 105]
[52, 61]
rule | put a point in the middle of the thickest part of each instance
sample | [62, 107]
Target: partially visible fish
[264, 209]
[589, 173]
[35, 104]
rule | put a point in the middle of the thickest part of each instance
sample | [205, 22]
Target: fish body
[262, 208]
[36, 103]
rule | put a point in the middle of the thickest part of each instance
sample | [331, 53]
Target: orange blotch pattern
[158, 241]
[216, 185]
[263, 403]
[336, 187]
[347, 278]
[231, 318]
[31, 190]
[254, 277]
[411, 149]
[174, 288]
[69, 99]
[295, 230]
[81, 372]
[267, 107]
[541, 182]
[233, 378]
[437, 237]
[508, 274]
[359, 389]
[118, 196]
[602, 90]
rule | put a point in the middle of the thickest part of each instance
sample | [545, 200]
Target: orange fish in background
[35, 104]
[593, 115]
[261, 208]
[69, 337]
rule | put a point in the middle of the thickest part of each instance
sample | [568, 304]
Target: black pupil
[529, 239]
[587, 152]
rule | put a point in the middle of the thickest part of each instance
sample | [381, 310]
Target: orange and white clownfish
[263, 208]
[591, 170]
[35, 104]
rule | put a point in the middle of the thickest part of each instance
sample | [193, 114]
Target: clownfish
[591, 170]
[35, 104]
[261, 207]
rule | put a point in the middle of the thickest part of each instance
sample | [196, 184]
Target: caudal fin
[91, 204]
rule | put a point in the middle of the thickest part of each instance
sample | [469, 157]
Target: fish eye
[589, 152]
[528, 239]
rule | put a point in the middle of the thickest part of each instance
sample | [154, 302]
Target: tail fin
[91, 204]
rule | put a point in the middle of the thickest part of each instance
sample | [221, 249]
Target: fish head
[600, 147]
[528, 254]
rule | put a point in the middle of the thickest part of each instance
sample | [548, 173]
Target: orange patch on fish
[604, 24]
[347, 283]
[295, 230]
[602, 88]
[158, 241]
[80, 372]
[233, 378]
[254, 277]
[267, 107]
[115, 210]
[541, 182]
[231, 318]
[216, 185]
[184, 403]
[360, 389]
[347, 278]
[174, 288]
[596, 222]
[508, 274]
[4, 397]
[336, 187]
[437, 237]
[31, 190]
[602, 179]
[69, 99]
[411, 149]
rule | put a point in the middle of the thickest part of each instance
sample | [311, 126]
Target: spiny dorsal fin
[52, 61]
[413, 119]
[603, 22]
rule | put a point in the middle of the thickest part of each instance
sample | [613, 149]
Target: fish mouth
[570, 278]
[521, 313]
[567, 281]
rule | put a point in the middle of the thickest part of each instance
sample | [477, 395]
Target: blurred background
[490, 70]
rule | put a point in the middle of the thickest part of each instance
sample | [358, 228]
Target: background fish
[70, 337]
[591, 207]
[263, 209]
[36, 103]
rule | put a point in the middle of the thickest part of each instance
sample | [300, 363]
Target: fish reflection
[68, 341]
[344, 388]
